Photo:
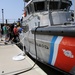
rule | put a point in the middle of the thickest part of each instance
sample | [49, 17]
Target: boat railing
[31, 17]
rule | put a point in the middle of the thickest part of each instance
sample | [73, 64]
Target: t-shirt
[15, 30]
[5, 30]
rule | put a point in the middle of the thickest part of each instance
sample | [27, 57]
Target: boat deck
[8, 66]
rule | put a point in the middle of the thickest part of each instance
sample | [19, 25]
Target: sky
[13, 9]
[72, 7]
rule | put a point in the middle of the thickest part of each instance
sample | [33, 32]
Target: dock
[8, 66]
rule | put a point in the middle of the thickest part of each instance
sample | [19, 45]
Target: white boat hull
[57, 51]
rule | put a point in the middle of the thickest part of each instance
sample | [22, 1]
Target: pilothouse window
[39, 6]
[64, 6]
[30, 8]
[54, 5]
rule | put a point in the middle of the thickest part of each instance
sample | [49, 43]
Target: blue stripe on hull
[52, 48]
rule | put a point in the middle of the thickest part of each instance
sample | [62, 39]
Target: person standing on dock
[8, 33]
[1, 33]
[5, 31]
[20, 29]
[15, 34]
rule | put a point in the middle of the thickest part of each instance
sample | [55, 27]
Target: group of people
[11, 33]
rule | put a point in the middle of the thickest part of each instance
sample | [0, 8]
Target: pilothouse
[47, 11]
